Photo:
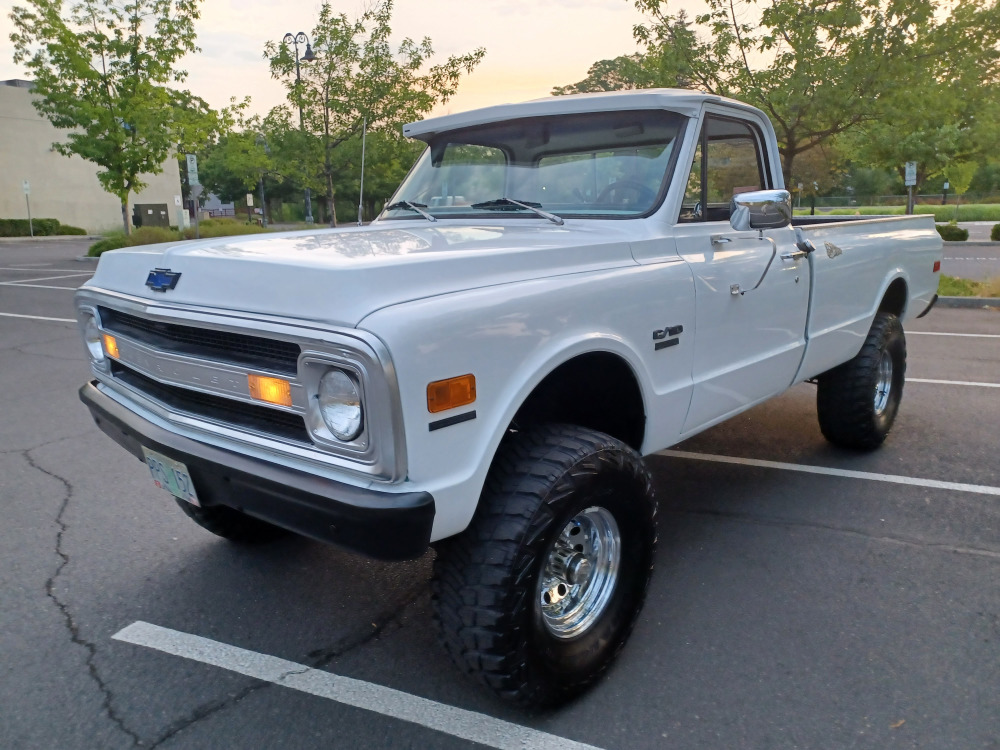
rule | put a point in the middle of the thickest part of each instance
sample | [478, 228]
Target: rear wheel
[857, 401]
[540, 593]
[231, 524]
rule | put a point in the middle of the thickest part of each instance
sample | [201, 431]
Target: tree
[101, 71]
[821, 68]
[666, 68]
[357, 78]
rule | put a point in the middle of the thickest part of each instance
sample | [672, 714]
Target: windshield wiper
[501, 204]
[418, 207]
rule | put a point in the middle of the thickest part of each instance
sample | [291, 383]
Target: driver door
[751, 303]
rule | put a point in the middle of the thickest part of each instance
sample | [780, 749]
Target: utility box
[150, 215]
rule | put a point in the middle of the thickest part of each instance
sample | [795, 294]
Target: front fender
[511, 337]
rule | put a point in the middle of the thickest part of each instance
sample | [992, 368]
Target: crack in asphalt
[32, 449]
[898, 540]
[63, 607]
[59, 339]
[211, 707]
[385, 623]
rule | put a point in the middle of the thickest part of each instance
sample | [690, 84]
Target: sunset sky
[530, 46]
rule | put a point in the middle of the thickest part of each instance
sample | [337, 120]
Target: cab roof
[683, 101]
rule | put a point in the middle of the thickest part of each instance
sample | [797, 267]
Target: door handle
[718, 239]
[794, 255]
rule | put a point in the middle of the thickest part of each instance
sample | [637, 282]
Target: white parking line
[963, 335]
[936, 484]
[457, 722]
[65, 275]
[38, 317]
[953, 382]
[26, 269]
[37, 286]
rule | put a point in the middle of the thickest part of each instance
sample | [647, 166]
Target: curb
[976, 243]
[58, 238]
[967, 302]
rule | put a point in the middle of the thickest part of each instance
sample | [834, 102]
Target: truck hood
[339, 276]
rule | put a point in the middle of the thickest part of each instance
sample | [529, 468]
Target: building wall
[63, 188]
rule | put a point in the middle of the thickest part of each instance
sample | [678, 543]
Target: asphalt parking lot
[804, 597]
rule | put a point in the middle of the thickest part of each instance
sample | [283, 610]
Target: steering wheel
[626, 192]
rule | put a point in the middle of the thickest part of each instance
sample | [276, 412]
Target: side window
[730, 158]
[691, 208]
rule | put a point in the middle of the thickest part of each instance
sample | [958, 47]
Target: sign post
[911, 180]
[195, 185]
[26, 186]
[249, 206]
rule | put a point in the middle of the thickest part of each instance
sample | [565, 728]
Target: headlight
[340, 405]
[92, 337]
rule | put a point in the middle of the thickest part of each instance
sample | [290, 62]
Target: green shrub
[46, 227]
[113, 242]
[66, 229]
[952, 232]
[20, 227]
[995, 233]
[152, 236]
[227, 229]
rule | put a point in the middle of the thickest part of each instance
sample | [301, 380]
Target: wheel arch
[598, 390]
[895, 298]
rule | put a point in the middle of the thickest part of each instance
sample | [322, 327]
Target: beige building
[63, 188]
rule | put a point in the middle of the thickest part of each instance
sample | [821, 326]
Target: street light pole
[295, 40]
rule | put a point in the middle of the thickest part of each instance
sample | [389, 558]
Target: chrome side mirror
[761, 209]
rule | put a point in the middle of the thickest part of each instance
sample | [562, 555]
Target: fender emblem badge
[832, 251]
[162, 279]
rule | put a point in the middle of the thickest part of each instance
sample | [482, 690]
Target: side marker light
[453, 392]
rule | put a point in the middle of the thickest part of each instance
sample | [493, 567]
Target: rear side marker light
[937, 266]
[451, 393]
[271, 390]
[110, 345]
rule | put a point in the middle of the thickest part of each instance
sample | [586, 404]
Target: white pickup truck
[558, 288]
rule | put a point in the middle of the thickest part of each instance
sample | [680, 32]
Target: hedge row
[153, 235]
[40, 227]
[950, 212]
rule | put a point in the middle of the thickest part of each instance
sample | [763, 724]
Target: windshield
[597, 165]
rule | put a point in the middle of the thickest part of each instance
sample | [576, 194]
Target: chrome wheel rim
[580, 573]
[884, 383]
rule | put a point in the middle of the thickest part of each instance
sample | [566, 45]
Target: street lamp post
[296, 40]
[262, 141]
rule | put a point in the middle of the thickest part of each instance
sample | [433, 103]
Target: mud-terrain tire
[231, 524]
[858, 400]
[537, 597]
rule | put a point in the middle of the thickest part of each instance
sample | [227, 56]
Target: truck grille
[216, 408]
[205, 343]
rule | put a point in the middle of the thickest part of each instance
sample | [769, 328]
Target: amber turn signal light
[271, 390]
[110, 345]
[447, 394]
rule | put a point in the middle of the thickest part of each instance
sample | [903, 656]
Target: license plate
[171, 476]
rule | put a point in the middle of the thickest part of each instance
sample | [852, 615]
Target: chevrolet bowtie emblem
[162, 279]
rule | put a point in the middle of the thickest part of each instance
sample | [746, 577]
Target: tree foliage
[358, 77]
[823, 68]
[102, 72]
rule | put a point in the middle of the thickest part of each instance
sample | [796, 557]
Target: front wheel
[231, 524]
[857, 401]
[540, 593]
